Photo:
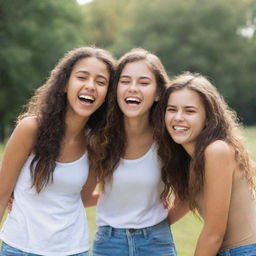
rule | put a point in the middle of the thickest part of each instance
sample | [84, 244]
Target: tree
[34, 34]
[199, 36]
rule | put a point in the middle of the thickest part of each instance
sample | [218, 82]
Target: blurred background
[216, 38]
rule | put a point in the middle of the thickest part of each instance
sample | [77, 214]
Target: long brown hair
[108, 146]
[183, 175]
[49, 105]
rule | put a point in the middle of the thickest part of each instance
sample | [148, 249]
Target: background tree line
[216, 38]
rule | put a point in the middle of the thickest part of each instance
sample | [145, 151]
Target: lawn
[186, 230]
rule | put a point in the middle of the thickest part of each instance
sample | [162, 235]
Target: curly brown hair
[108, 146]
[183, 175]
[49, 105]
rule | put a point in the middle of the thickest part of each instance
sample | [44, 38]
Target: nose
[89, 84]
[178, 115]
[133, 86]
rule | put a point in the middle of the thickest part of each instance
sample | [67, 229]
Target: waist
[125, 217]
[111, 231]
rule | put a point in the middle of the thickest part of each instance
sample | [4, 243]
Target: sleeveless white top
[132, 198]
[53, 222]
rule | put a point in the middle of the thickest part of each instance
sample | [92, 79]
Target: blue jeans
[245, 250]
[155, 240]
[7, 250]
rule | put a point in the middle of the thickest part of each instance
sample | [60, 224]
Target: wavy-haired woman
[131, 216]
[207, 166]
[45, 161]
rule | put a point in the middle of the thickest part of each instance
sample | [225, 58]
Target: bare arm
[178, 210]
[16, 152]
[89, 196]
[219, 169]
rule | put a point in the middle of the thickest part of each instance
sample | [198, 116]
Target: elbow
[216, 238]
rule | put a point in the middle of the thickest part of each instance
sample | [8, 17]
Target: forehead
[137, 69]
[91, 65]
[185, 97]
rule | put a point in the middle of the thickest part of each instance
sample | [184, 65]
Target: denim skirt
[244, 250]
[156, 240]
[7, 250]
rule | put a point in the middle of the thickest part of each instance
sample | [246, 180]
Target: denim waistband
[140, 231]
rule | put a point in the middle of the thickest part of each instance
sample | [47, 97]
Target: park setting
[214, 38]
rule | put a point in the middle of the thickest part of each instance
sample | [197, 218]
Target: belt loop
[110, 231]
[145, 233]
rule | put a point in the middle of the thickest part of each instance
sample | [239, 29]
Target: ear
[65, 89]
[157, 98]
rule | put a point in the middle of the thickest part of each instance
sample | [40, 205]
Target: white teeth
[86, 97]
[133, 100]
[178, 128]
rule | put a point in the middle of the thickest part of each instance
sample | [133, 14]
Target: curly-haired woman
[131, 216]
[45, 161]
[207, 166]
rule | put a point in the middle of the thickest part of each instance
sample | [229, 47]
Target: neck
[136, 127]
[75, 127]
[190, 149]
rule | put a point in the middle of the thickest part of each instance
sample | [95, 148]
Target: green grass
[186, 230]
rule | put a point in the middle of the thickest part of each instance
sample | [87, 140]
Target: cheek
[103, 93]
[166, 119]
[119, 94]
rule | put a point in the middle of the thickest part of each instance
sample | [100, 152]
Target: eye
[190, 111]
[145, 83]
[82, 77]
[171, 110]
[124, 81]
[101, 83]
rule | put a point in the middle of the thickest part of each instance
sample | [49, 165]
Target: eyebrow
[86, 73]
[173, 106]
[141, 77]
[82, 71]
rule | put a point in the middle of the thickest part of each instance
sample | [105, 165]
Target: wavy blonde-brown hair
[184, 176]
[49, 105]
[108, 146]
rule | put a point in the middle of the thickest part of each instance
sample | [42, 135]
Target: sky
[81, 2]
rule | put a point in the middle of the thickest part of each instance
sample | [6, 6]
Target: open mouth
[132, 100]
[180, 128]
[86, 99]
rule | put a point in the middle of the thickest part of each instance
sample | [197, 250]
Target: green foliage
[198, 35]
[34, 34]
[201, 36]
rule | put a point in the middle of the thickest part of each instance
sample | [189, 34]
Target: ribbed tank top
[54, 221]
[132, 198]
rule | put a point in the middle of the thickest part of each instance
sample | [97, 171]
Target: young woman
[45, 161]
[131, 216]
[207, 166]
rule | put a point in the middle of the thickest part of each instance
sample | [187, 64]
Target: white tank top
[132, 198]
[53, 222]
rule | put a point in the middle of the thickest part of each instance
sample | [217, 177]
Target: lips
[133, 100]
[180, 128]
[86, 98]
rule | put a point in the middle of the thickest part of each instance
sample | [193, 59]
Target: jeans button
[131, 230]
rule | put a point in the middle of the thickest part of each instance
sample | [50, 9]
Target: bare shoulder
[25, 132]
[219, 155]
[219, 148]
[28, 125]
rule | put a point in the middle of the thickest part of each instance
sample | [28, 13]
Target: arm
[89, 197]
[219, 167]
[16, 152]
[178, 210]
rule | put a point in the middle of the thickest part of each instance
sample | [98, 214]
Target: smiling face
[87, 86]
[185, 117]
[136, 90]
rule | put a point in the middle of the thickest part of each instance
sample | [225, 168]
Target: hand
[10, 202]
